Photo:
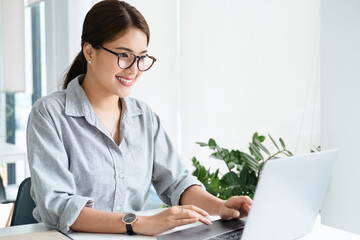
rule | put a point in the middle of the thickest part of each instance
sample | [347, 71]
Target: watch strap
[129, 229]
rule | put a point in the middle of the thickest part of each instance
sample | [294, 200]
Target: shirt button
[121, 176]
[118, 208]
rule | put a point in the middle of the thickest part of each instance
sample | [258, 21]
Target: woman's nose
[133, 68]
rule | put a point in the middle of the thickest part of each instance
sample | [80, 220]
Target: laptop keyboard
[233, 235]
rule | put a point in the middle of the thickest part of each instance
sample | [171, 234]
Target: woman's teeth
[124, 80]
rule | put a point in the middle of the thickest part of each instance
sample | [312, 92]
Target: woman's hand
[235, 207]
[170, 218]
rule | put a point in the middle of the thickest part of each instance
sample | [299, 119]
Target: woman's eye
[142, 58]
[124, 55]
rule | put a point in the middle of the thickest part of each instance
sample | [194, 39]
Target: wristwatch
[129, 219]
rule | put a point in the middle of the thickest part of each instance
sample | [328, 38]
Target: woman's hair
[103, 23]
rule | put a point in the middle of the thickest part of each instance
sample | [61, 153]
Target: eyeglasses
[127, 59]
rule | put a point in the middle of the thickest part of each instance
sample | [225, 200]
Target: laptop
[287, 200]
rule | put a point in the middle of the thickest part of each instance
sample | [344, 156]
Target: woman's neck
[99, 99]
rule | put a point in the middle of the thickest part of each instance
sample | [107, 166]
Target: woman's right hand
[169, 218]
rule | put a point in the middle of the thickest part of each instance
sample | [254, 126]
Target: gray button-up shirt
[74, 161]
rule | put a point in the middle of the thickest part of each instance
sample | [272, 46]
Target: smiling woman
[94, 151]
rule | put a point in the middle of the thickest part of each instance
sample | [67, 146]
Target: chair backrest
[2, 191]
[24, 205]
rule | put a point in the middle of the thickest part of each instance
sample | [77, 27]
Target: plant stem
[271, 157]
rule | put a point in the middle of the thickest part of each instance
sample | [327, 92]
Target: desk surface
[318, 233]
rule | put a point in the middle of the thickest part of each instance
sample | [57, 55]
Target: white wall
[340, 112]
[249, 66]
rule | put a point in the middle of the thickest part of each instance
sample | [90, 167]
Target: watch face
[129, 218]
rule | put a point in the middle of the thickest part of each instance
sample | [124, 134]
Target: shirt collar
[77, 104]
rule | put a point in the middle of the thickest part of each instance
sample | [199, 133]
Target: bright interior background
[225, 70]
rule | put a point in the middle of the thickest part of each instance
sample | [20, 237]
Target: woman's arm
[93, 220]
[238, 206]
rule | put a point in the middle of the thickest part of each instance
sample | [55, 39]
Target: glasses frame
[136, 59]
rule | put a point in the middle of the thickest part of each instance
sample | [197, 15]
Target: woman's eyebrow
[129, 50]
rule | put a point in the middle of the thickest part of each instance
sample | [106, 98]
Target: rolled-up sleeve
[170, 176]
[53, 188]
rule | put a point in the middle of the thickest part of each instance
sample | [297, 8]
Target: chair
[5, 200]
[24, 205]
[2, 192]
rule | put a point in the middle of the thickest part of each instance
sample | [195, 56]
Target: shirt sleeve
[170, 176]
[52, 184]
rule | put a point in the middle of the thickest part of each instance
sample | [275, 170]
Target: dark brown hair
[103, 23]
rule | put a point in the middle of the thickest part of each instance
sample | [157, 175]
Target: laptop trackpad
[205, 231]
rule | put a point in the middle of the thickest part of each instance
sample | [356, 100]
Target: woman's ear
[88, 52]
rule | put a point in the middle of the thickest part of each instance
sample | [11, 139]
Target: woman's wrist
[220, 204]
[139, 226]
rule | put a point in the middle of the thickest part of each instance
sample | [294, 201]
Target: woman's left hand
[235, 207]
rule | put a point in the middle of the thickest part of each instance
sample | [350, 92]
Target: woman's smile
[125, 80]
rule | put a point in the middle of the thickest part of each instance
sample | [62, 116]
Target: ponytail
[77, 68]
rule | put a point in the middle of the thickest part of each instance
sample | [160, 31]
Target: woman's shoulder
[52, 102]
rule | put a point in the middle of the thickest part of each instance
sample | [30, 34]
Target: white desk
[319, 232]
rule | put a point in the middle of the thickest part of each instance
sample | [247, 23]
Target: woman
[93, 151]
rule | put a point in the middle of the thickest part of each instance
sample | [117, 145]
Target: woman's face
[106, 74]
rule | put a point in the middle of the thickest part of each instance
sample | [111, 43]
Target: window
[15, 107]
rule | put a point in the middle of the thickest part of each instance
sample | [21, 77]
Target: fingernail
[207, 214]
[209, 222]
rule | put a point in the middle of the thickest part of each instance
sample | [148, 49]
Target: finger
[185, 221]
[229, 213]
[245, 208]
[192, 214]
[237, 201]
[196, 209]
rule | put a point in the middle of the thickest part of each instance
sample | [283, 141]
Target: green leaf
[256, 151]
[239, 167]
[290, 153]
[243, 178]
[227, 194]
[260, 145]
[217, 155]
[231, 178]
[261, 138]
[251, 162]
[212, 143]
[238, 191]
[231, 165]
[274, 142]
[202, 144]
[255, 136]
[282, 143]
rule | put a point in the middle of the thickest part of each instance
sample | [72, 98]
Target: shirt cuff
[72, 210]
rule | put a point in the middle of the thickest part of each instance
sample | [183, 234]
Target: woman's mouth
[124, 81]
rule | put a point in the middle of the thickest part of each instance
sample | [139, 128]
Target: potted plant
[243, 169]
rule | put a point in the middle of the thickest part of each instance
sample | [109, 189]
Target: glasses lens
[126, 59]
[145, 62]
